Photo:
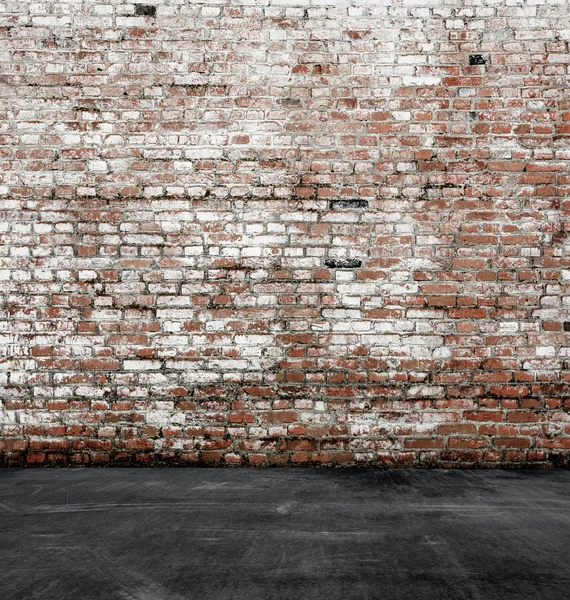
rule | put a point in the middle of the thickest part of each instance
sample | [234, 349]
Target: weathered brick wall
[285, 232]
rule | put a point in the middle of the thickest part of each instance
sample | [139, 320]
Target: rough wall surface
[285, 232]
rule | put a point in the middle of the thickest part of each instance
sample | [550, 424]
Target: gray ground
[172, 534]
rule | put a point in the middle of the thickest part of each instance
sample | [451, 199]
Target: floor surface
[223, 534]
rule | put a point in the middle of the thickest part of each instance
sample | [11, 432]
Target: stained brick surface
[285, 232]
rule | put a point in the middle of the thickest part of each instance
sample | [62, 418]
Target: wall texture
[285, 232]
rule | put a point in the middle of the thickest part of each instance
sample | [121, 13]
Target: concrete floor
[172, 534]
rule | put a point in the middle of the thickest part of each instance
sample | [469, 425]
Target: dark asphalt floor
[221, 534]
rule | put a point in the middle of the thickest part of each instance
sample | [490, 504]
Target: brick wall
[285, 232]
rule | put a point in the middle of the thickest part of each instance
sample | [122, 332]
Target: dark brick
[349, 203]
[477, 59]
[145, 10]
[347, 263]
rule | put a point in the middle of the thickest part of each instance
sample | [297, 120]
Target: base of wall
[444, 460]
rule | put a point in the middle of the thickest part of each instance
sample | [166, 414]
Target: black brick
[349, 203]
[477, 59]
[346, 263]
[145, 10]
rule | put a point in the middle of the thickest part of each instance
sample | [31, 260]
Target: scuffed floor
[172, 534]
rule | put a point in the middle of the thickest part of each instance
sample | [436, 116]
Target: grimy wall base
[269, 232]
